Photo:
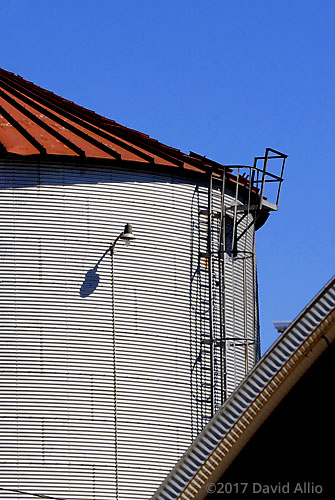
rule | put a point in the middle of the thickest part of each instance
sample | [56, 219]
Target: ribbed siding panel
[59, 407]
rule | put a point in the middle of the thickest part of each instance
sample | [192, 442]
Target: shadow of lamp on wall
[92, 277]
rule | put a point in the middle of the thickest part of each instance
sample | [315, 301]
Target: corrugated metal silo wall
[82, 366]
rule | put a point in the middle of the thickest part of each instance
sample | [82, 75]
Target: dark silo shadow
[90, 282]
[92, 278]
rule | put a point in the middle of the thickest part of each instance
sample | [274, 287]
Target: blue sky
[222, 78]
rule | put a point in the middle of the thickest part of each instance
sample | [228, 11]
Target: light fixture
[127, 235]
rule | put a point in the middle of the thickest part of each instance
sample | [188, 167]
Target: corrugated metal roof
[38, 123]
[262, 390]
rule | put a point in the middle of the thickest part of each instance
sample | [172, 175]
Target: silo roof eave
[272, 378]
[37, 121]
[77, 160]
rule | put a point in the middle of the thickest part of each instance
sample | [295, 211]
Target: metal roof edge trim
[330, 284]
[272, 377]
[269, 399]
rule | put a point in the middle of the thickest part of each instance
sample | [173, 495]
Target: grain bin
[112, 362]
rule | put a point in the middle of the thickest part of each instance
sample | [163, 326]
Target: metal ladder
[225, 230]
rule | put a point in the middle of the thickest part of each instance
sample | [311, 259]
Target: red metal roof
[38, 123]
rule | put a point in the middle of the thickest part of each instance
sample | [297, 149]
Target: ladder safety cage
[230, 265]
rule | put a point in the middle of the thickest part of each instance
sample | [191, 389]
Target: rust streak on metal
[45, 123]
[61, 127]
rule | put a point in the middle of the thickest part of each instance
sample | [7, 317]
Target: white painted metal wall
[63, 337]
